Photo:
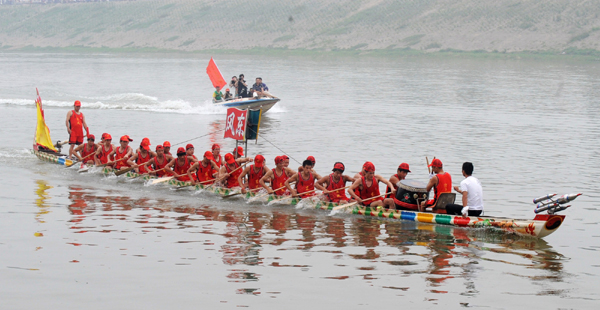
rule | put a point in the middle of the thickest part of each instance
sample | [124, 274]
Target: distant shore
[464, 28]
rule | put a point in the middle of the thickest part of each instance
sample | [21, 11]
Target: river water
[74, 241]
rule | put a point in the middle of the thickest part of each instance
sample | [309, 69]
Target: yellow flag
[42, 133]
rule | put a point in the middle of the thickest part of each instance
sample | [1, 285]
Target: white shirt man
[472, 194]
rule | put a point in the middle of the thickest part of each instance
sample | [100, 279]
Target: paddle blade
[121, 172]
[165, 179]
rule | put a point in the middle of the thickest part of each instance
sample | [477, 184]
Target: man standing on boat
[441, 183]
[403, 170]
[75, 123]
[472, 194]
[334, 183]
[242, 87]
[369, 189]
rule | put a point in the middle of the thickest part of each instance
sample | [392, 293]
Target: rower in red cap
[255, 173]
[277, 176]
[141, 156]
[122, 153]
[229, 171]
[85, 150]
[238, 152]
[180, 165]
[313, 161]
[441, 182]
[218, 159]
[167, 149]
[305, 181]
[189, 149]
[104, 149]
[335, 180]
[403, 170]
[156, 165]
[369, 187]
[204, 169]
[75, 123]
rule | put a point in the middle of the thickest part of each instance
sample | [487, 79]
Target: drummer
[441, 183]
[403, 170]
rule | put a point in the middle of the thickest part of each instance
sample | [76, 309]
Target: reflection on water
[253, 234]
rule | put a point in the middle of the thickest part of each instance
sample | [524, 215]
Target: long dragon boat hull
[541, 226]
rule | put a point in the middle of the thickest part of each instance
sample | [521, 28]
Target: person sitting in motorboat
[261, 89]
[242, 87]
[228, 95]
[472, 194]
[233, 85]
[218, 95]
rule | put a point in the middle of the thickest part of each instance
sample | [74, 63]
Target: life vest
[303, 185]
[157, 166]
[369, 191]
[279, 181]
[104, 154]
[254, 177]
[336, 196]
[76, 123]
[119, 155]
[142, 160]
[204, 173]
[232, 180]
[444, 185]
[387, 188]
[85, 152]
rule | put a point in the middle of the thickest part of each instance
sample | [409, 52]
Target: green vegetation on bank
[462, 28]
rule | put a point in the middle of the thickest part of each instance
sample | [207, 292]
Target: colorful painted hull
[541, 226]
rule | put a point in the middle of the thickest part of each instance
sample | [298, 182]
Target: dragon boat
[540, 226]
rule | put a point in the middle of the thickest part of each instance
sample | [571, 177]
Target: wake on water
[136, 102]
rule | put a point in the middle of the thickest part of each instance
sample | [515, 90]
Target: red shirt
[232, 180]
[158, 165]
[119, 155]
[369, 191]
[204, 173]
[336, 196]
[85, 152]
[104, 154]
[279, 181]
[140, 160]
[254, 177]
[307, 185]
[76, 123]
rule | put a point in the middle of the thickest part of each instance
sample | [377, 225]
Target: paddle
[165, 179]
[353, 203]
[291, 196]
[428, 168]
[235, 194]
[137, 176]
[120, 172]
[82, 160]
[111, 162]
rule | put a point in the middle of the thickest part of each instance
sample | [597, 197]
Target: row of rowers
[232, 172]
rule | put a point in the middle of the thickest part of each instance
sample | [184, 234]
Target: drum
[410, 193]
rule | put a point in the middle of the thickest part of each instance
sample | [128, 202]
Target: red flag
[235, 124]
[214, 74]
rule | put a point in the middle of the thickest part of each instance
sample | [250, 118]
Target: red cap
[106, 136]
[284, 157]
[229, 159]
[436, 163]
[126, 138]
[278, 159]
[404, 166]
[180, 151]
[189, 146]
[227, 89]
[167, 144]
[159, 147]
[91, 137]
[339, 166]
[77, 103]
[259, 160]
[209, 155]
[239, 150]
[216, 146]
[369, 167]
[312, 159]
[145, 145]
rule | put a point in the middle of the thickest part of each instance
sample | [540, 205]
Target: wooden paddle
[111, 162]
[291, 196]
[165, 179]
[428, 168]
[263, 195]
[214, 180]
[147, 173]
[82, 160]
[235, 194]
[353, 203]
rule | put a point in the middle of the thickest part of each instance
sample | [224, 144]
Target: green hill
[556, 26]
